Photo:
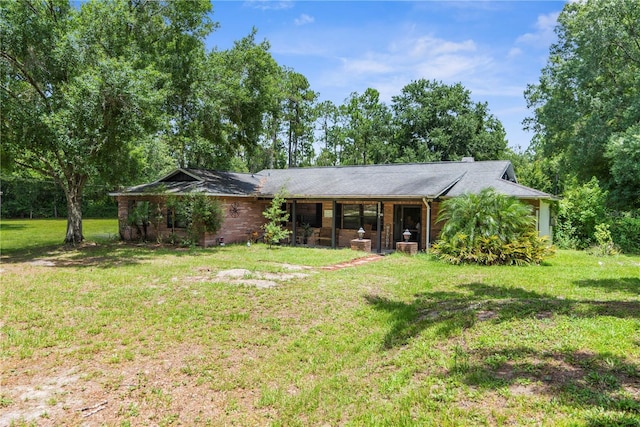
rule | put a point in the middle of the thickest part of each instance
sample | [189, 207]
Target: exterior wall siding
[241, 217]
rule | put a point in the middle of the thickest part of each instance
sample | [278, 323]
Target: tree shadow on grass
[609, 384]
[630, 285]
[574, 378]
[93, 255]
[451, 312]
[10, 227]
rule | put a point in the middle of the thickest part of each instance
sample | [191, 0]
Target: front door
[407, 217]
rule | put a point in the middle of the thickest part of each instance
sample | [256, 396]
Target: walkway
[353, 263]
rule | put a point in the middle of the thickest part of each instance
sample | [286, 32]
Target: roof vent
[468, 159]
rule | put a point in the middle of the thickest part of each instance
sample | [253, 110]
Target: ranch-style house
[328, 205]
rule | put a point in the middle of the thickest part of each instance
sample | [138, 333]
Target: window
[351, 216]
[308, 213]
[360, 215]
[176, 219]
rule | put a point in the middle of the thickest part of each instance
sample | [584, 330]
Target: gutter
[427, 203]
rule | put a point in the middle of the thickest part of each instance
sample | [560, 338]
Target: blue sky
[493, 48]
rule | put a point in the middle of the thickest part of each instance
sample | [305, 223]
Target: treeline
[24, 197]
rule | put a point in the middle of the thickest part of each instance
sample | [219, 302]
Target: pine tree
[273, 230]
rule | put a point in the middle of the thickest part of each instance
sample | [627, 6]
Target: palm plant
[488, 228]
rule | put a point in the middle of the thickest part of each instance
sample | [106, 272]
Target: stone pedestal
[361, 245]
[410, 248]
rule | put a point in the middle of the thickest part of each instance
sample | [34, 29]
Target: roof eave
[180, 193]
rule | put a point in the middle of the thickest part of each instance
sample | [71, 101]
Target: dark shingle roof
[392, 181]
[214, 183]
[429, 180]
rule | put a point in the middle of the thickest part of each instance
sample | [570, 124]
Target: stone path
[353, 263]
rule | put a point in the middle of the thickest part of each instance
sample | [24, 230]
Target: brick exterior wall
[241, 216]
[244, 215]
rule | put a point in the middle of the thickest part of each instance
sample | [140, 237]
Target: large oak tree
[81, 88]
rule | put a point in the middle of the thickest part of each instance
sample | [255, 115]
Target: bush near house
[201, 213]
[488, 229]
[583, 211]
[274, 232]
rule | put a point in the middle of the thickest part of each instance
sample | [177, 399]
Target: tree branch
[12, 94]
[26, 75]
[46, 171]
[30, 6]
[52, 11]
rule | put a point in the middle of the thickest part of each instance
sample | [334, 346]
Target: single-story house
[327, 205]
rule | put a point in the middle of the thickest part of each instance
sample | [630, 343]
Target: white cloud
[369, 64]
[431, 46]
[303, 19]
[544, 34]
[269, 4]
[451, 68]
[514, 52]
[412, 58]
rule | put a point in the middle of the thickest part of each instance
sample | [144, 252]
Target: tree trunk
[74, 214]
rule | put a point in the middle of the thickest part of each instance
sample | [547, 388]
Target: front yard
[114, 334]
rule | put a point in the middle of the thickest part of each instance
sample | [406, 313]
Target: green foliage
[437, 122]
[274, 230]
[623, 151]
[298, 116]
[625, 231]
[604, 243]
[145, 214]
[201, 213]
[488, 229]
[88, 85]
[367, 129]
[525, 250]
[139, 218]
[580, 210]
[533, 170]
[587, 97]
[24, 196]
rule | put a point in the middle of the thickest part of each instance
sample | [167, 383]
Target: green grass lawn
[32, 236]
[119, 334]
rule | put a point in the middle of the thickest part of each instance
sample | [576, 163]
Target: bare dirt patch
[241, 276]
[157, 390]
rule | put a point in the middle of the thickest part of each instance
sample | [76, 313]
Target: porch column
[427, 203]
[379, 232]
[293, 222]
[334, 206]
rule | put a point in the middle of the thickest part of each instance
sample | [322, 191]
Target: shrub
[625, 232]
[201, 213]
[605, 245]
[580, 210]
[273, 230]
[489, 228]
[139, 218]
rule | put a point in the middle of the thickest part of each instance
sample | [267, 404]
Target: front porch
[336, 223]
